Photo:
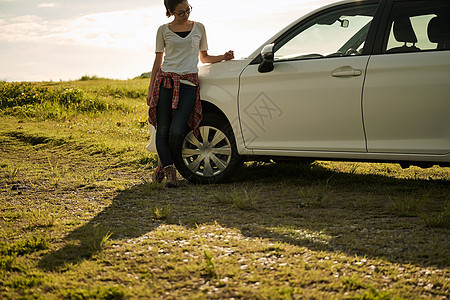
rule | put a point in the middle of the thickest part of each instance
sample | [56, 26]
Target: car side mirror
[267, 59]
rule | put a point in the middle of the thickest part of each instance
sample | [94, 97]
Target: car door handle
[346, 72]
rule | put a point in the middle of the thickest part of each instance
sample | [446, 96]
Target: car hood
[222, 70]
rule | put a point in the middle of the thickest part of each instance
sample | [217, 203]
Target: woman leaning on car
[174, 91]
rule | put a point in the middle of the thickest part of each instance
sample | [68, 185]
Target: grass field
[81, 219]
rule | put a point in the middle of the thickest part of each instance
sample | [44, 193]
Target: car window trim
[382, 30]
[379, 22]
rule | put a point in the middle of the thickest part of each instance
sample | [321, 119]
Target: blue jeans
[170, 125]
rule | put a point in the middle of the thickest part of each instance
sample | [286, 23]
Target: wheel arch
[208, 107]
[234, 123]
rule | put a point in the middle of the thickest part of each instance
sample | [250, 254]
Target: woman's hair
[170, 6]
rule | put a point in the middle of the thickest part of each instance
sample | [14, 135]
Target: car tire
[211, 157]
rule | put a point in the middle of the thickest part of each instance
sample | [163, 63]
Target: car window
[341, 32]
[416, 26]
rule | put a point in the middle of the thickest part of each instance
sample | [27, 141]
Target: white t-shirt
[181, 54]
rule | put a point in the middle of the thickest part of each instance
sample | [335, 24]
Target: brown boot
[158, 175]
[171, 176]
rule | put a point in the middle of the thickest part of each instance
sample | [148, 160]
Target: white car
[356, 80]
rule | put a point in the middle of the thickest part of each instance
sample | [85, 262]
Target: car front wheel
[210, 157]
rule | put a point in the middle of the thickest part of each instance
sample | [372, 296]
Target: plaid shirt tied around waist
[166, 78]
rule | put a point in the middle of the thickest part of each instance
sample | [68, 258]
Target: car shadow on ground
[315, 208]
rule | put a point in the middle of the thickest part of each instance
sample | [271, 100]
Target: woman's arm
[156, 66]
[206, 58]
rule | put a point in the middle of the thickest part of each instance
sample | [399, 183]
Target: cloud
[124, 29]
[46, 5]
[23, 28]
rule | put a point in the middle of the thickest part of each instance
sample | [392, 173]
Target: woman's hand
[149, 97]
[228, 55]
[211, 59]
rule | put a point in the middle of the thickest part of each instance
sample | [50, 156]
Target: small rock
[18, 187]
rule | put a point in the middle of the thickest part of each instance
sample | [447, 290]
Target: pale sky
[66, 39]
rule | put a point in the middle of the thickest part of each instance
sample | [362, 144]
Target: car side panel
[406, 103]
[303, 105]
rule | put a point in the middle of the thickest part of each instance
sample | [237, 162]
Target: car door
[407, 89]
[311, 101]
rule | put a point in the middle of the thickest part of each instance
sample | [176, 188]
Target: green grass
[163, 212]
[27, 246]
[439, 219]
[80, 217]
[245, 199]
[108, 293]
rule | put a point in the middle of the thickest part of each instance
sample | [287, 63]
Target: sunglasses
[183, 13]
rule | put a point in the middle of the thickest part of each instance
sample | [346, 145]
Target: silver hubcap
[209, 154]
